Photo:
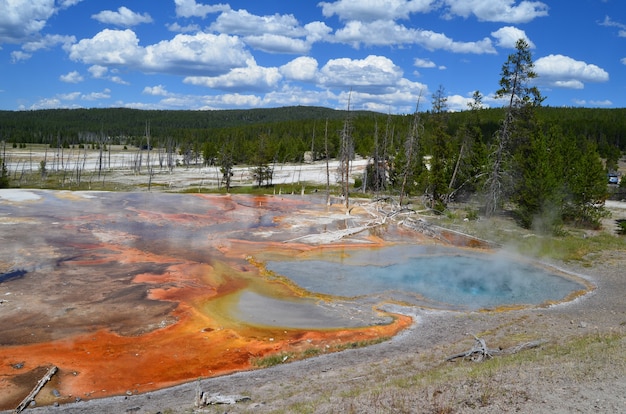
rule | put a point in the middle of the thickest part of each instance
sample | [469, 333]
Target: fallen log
[223, 399]
[523, 346]
[477, 353]
[31, 397]
[422, 226]
[480, 351]
[329, 237]
[203, 399]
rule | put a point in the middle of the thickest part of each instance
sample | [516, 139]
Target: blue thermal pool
[430, 276]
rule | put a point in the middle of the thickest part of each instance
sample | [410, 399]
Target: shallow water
[431, 275]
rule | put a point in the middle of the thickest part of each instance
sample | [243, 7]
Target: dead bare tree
[375, 175]
[149, 148]
[480, 351]
[467, 142]
[411, 146]
[40, 384]
[100, 149]
[79, 168]
[327, 162]
[346, 154]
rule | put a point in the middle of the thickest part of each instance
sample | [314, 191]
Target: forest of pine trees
[541, 162]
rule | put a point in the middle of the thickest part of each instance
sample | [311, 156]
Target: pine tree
[540, 189]
[441, 165]
[4, 174]
[517, 73]
[585, 179]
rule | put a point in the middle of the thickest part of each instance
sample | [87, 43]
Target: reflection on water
[432, 274]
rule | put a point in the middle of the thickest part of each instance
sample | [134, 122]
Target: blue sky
[194, 54]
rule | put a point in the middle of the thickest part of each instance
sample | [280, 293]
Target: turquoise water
[427, 275]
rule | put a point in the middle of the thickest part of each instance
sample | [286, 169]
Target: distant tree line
[604, 127]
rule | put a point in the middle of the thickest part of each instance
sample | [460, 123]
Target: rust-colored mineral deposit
[131, 292]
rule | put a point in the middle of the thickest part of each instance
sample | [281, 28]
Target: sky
[379, 55]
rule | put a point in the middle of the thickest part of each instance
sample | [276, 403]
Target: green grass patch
[285, 357]
[361, 344]
[571, 247]
[272, 360]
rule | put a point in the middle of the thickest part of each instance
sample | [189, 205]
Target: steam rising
[443, 277]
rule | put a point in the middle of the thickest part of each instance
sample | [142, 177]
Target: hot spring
[435, 276]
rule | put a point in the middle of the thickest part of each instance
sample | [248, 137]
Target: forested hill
[125, 121]
[606, 127]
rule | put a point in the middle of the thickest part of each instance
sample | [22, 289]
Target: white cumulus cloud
[508, 36]
[458, 103]
[158, 90]
[48, 42]
[98, 71]
[94, 96]
[109, 47]
[506, 11]
[370, 10]
[564, 72]
[273, 43]
[122, 17]
[72, 77]
[386, 33]
[198, 54]
[21, 19]
[277, 33]
[317, 31]
[424, 63]
[190, 8]
[303, 68]
[374, 73]
[251, 77]
[242, 22]
[18, 55]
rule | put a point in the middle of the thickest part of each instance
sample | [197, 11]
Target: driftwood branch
[330, 236]
[204, 399]
[30, 397]
[480, 351]
[424, 227]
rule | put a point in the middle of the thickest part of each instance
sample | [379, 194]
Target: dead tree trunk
[411, 143]
[346, 155]
[327, 160]
[480, 351]
[30, 397]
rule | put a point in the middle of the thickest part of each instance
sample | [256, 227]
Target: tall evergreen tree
[540, 189]
[441, 165]
[4, 174]
[522, 99]
[585, 179]
[226, 163]
[263, 173]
